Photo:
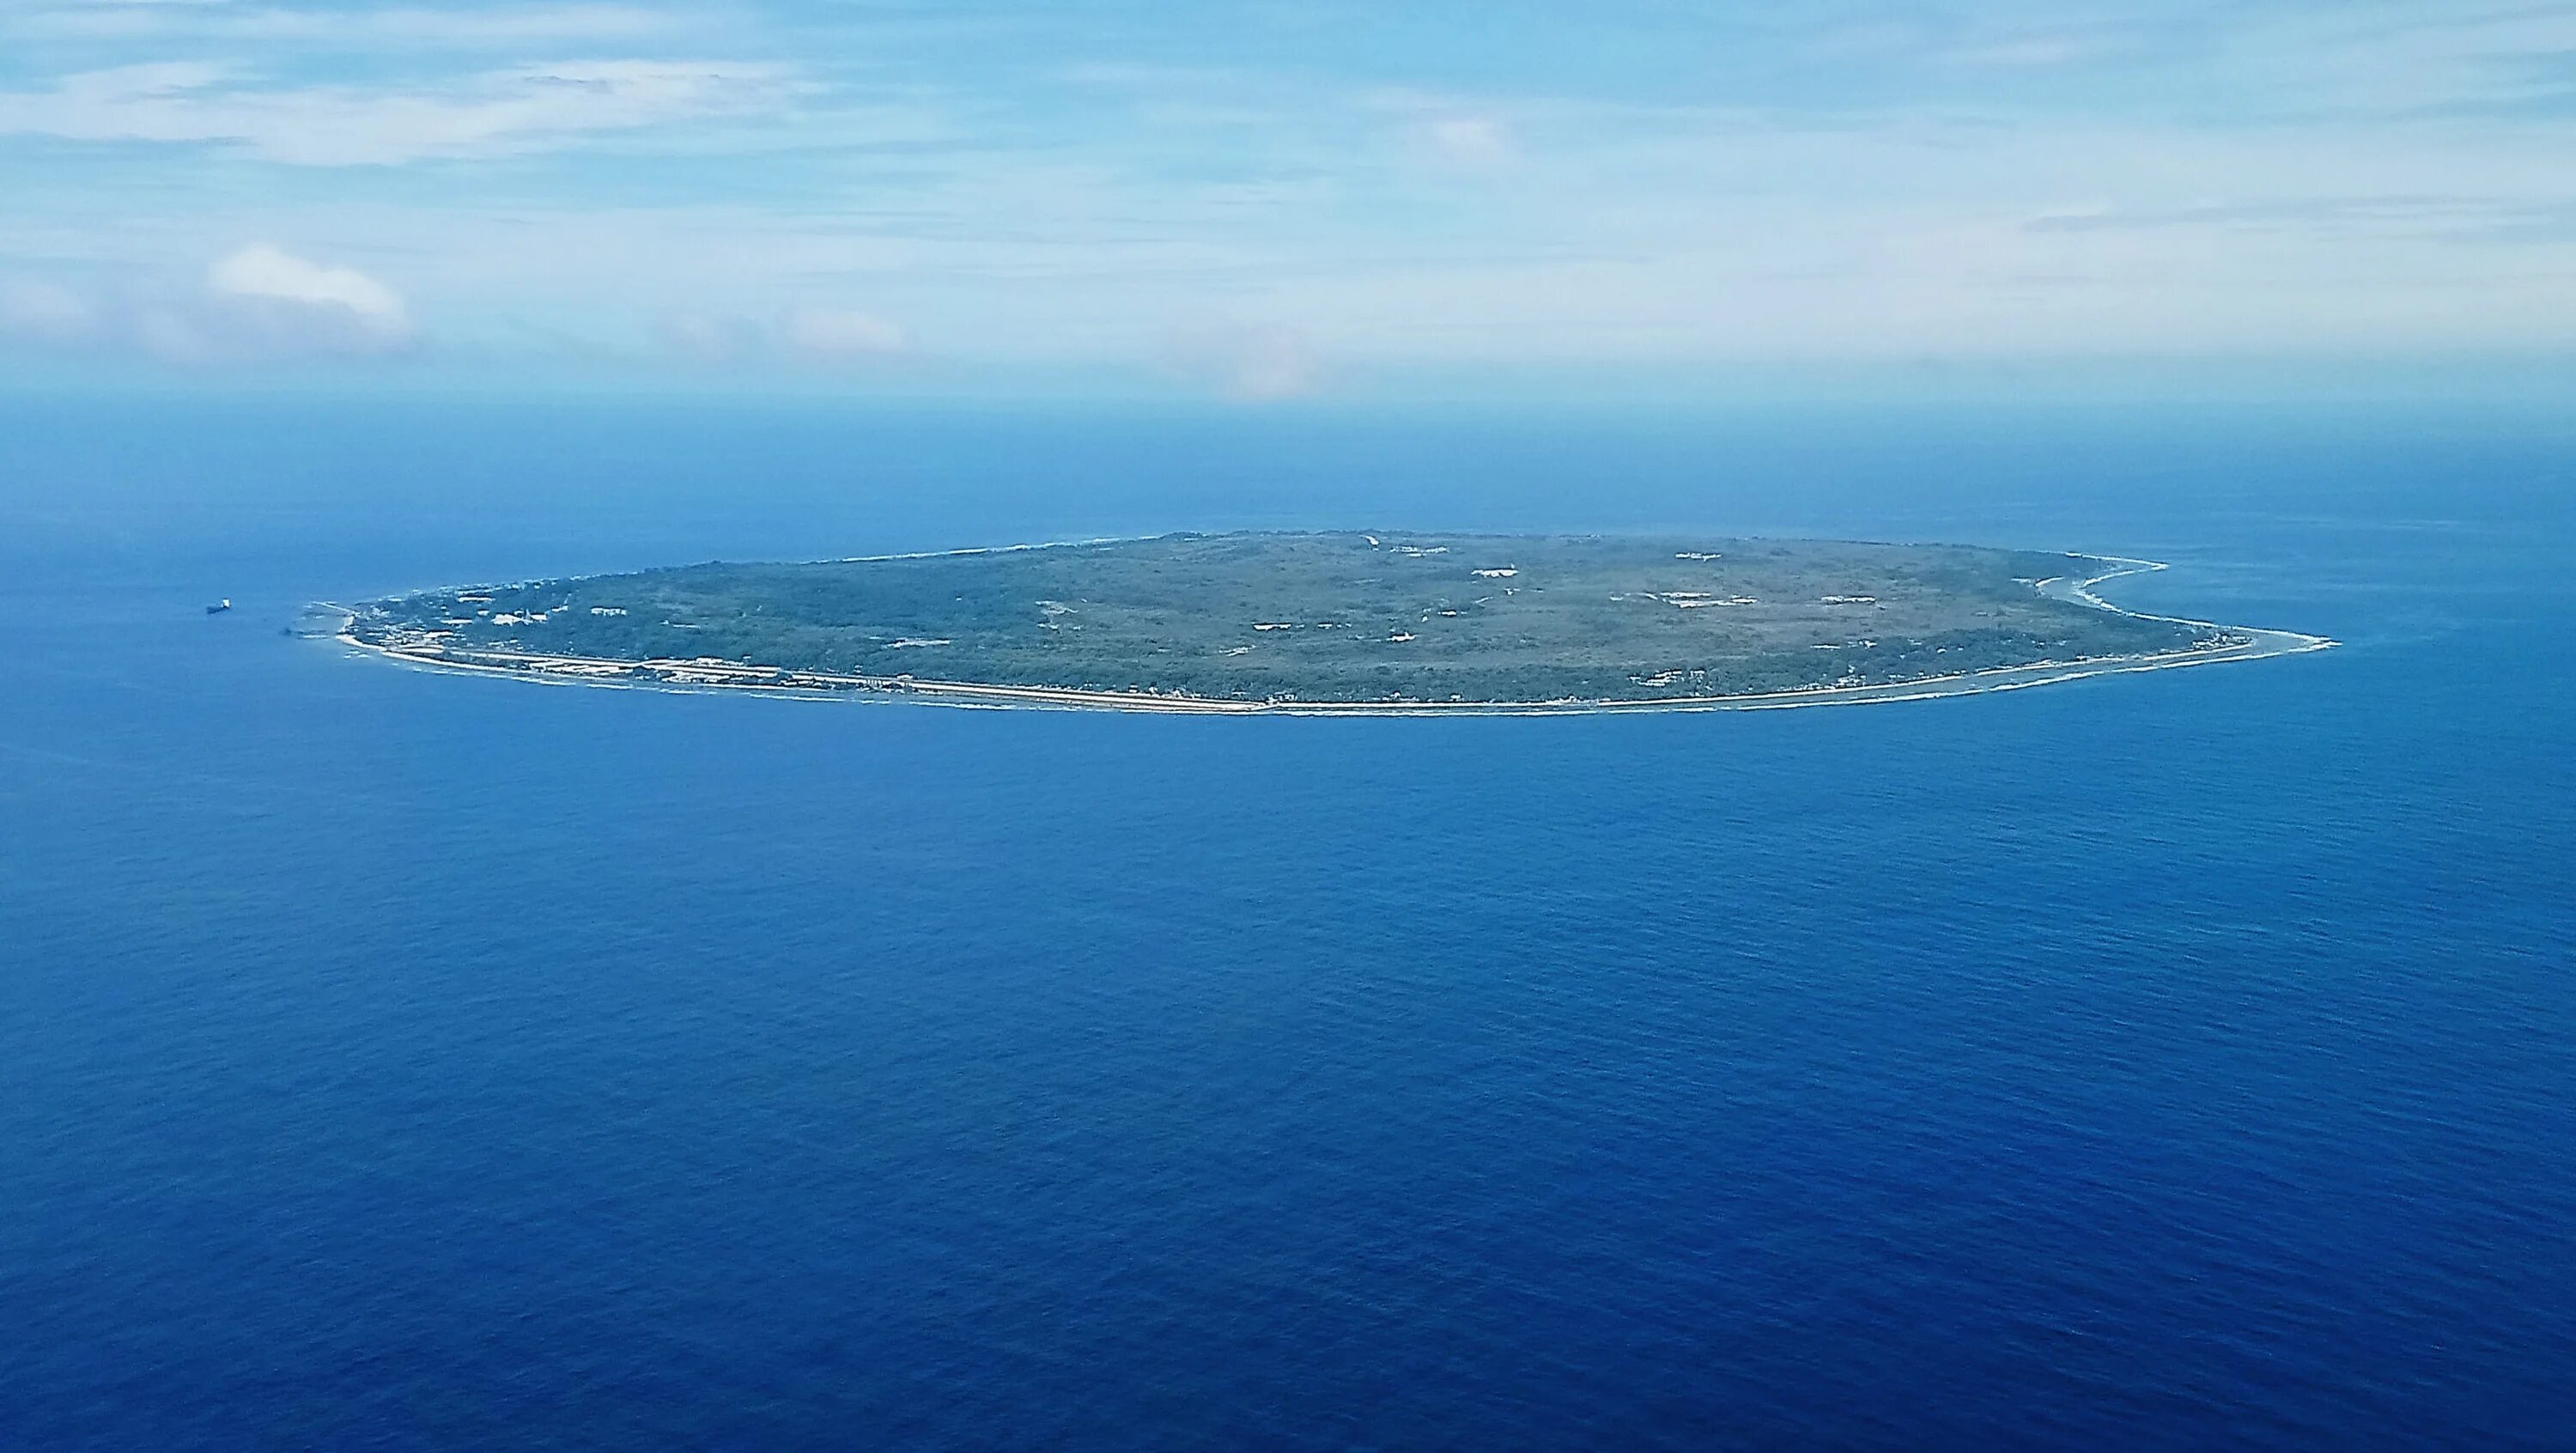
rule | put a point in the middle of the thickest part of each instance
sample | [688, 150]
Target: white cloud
[257, 303]
[1247, 362]
[454, 29]
[494, 113]
[268, 276]
[2268, 179]
[705, 339]
[1472, 141]
[826, 335]
[1452, 131]
[43, 312]
[808, 334]
[2030, 51]
[171, 336]
[457, 28]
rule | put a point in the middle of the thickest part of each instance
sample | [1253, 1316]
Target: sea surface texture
[391, 1060]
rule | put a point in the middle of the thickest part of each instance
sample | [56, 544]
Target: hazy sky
[1267, 197]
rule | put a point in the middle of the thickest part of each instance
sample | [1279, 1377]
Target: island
[1329, 622]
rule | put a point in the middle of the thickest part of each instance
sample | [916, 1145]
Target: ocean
[391, 1060]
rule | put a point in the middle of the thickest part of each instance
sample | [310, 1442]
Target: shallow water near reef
[398, 1060]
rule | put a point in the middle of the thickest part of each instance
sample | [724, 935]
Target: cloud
[1471, 141]
[454, 29]
[493, 113]
[2032, 51]
[1247, 362]
[829, 335]
[267, 277]
[170, 335]
[1449, 130]
[2343, 219]
[705, 339]
[41, 312]
[1681, 186]
[808, 334]
[258, 303]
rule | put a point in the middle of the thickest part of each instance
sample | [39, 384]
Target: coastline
[2256, 644]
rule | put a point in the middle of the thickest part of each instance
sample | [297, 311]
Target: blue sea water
[399, 1061]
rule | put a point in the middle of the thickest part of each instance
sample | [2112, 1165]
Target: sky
[1257, 200]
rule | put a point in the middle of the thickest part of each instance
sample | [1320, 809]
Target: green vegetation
[1340, 617]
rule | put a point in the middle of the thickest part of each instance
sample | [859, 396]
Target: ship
[219, 607]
